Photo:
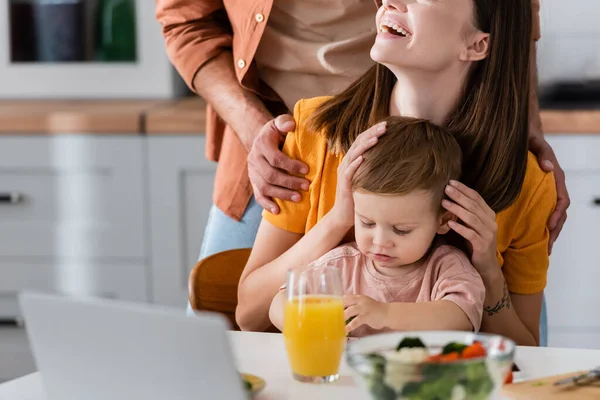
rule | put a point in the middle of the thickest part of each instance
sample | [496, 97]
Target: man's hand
[270, 170]
[549, 163]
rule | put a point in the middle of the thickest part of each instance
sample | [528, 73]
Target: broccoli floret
[454, 347]
[410, 342]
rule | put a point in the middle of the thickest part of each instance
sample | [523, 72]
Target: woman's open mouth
[394, 29]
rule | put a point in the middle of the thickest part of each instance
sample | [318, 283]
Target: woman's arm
[276, 310]
[515, 316]
[275, 252]
[512, 315]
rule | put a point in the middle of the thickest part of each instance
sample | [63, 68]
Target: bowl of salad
[436, 365]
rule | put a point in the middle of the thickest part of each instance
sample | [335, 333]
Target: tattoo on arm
[504, 302]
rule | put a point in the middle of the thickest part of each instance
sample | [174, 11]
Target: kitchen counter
[571, 121]
[39, 117]
[182, 117]
[185, 116]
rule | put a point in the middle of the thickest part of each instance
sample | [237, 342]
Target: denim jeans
[223, 233]
[544, 325]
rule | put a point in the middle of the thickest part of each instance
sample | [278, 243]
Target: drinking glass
[313, 327]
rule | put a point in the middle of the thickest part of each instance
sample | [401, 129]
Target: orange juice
[315, 335]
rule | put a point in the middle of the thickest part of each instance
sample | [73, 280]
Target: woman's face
[427, 35]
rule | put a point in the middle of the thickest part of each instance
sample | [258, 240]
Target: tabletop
[263, 354]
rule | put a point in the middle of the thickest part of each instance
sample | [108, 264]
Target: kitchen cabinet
[78, 220]
[572, 293]
[180, 196]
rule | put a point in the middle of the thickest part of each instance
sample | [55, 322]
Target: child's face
[396, 230]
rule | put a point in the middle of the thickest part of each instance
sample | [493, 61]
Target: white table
[263, 354]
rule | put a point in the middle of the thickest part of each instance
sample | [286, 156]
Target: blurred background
[105, 191]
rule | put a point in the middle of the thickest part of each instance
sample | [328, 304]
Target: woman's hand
[343, 210]
[478, 226]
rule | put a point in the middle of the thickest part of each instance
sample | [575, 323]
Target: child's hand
[363, 310]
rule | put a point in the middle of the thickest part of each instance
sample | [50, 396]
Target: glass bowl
[388, 374]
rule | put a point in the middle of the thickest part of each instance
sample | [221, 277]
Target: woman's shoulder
[310, 145]
[538, 184]
[305, 107]
[538, 193]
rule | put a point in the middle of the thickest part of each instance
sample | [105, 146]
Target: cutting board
[544, 389]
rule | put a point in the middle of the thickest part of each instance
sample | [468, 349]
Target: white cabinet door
[80, 225]
[572, 293]
[81, 197]
[181, 185]
[574, 274]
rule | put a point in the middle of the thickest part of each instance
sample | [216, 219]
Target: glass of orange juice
[313, 325]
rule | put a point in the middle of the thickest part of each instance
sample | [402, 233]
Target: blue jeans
[544, 325]
[223, 233]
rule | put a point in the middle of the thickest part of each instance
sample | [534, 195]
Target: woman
[459, 63]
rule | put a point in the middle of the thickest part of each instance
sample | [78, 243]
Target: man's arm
[537, 142]
[535, 122]
[198, 40]
[241, 109]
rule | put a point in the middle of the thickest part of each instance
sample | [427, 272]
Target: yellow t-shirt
[522, 228]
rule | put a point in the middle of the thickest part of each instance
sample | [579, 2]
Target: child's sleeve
[459, 282]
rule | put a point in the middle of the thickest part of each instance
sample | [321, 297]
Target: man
[242, 57]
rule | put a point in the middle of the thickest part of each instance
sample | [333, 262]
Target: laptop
[93, 349]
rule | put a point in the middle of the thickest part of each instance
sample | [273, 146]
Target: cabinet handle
[10, 197]
[597, 201]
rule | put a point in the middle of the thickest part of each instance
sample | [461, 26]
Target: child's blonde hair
[413, 154]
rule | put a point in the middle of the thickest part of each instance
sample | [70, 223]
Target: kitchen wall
[570, 45]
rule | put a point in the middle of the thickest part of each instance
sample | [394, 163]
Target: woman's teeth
[393, 29]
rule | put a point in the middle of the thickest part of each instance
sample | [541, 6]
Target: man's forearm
[535, 123]
[241, 109]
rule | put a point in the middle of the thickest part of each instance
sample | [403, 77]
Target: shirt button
[241, 63]
[259, 17]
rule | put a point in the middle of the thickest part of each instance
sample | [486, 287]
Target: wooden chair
[213, 283]
[214, 280]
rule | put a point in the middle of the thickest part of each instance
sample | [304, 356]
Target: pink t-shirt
[446, 275]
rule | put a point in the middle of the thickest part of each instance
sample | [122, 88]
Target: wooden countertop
[186, 116]
[74, 116]
[571, 121]
[180, 117]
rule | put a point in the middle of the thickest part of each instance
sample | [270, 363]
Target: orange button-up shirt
[197, 31]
